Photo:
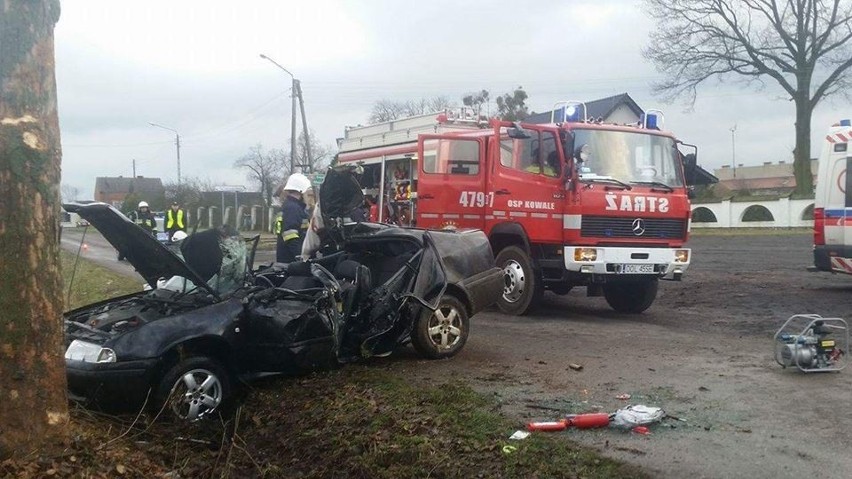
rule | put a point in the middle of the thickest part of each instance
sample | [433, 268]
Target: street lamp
[734, 149]
[292, 114]
[177, 144]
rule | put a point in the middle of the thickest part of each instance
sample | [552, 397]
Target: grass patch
[369, 422]
[362, 421]
[93, 283]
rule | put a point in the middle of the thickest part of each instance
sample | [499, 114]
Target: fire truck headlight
[585, 254]
[681, 256]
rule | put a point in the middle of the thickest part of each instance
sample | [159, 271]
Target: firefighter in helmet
[175, 219]
[292, 224]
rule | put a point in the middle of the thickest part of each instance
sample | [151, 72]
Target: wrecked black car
[210, 321]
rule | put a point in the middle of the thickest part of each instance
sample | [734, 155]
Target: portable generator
[819, 346]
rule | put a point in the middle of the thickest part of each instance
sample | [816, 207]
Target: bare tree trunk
[33, 402]
[802, 152]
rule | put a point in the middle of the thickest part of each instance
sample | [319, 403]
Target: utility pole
[134, 168]
[734, 149]
[294, 90]
[177, 145]
[309, 164]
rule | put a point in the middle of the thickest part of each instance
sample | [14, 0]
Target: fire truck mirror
[518, 133]
[689, 165]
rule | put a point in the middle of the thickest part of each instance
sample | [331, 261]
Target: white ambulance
[833, 202]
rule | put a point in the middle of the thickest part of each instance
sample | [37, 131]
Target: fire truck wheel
[441, 333]
[522, 287]
[631, 297]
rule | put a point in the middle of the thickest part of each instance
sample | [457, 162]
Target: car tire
[632, 297]
[441, 333]
[522, 287]
[195, 388]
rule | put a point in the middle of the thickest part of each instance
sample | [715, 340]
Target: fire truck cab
[569, 203]
[833, 202]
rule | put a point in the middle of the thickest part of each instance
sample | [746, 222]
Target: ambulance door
[451, 184]
[838, 200]
[527, 183]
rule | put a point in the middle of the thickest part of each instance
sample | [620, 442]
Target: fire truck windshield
[629, 157]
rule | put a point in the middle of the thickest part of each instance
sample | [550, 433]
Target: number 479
[476, 199]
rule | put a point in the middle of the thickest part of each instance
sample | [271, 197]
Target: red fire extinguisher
[559, 425]
[589, 421]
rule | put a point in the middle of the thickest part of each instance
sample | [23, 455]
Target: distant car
[213, 320]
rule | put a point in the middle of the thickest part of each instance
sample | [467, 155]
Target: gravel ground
[703, 352]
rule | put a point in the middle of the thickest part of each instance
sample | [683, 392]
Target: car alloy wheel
[195, 394]
[445, 327]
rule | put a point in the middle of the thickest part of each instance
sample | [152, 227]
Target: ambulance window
[840, 147]
[848, 185]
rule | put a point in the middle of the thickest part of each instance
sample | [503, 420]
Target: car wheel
[631, 297]
[522, 287]
[193, 389]
[441, 333]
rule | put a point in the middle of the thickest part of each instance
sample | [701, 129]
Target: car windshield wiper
[606, 179]
[668, 188]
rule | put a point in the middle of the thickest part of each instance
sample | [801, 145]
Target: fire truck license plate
[637, 268]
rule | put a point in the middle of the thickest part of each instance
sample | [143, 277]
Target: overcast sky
[194, 66]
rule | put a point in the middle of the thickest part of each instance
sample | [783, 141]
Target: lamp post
[734, 149]
[294, 86]
[177, 144]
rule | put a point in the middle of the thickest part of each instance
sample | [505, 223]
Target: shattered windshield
[628, 157]
[230, 273]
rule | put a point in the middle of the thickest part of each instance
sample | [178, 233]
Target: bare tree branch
[805, 46]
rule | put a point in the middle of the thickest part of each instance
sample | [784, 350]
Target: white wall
[786, 212]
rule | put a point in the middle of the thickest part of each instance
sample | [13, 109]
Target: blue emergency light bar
[568, 111]
[845, 123]
[572, 113]
[651, 119]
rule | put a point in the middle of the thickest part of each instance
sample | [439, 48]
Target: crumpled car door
[393, 323]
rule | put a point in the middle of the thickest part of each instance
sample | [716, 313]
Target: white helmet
[142, 204]
[179, 236]
[297, 182]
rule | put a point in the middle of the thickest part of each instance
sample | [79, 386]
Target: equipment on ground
[819, 346]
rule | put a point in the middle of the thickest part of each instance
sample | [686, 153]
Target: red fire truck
[573, 202]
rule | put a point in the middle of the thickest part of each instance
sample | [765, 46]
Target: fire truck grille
[609, 227]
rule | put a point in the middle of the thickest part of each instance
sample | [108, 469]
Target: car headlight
[89, 352]
[681, 256]
[585, 254]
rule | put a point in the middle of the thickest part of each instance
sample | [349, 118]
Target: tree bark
[33, 399]
[802, 152]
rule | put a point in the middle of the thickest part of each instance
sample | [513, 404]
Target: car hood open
[151, 258]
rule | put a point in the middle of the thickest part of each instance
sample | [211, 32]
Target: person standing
[175, 219]
[292, 224]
